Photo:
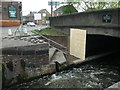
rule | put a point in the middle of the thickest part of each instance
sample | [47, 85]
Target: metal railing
[50, 40]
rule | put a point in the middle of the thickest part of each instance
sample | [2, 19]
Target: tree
[87, 5]
[68, 9]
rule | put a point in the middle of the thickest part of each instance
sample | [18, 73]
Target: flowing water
[92, 75]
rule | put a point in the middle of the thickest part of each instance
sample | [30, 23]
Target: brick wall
[5, 23]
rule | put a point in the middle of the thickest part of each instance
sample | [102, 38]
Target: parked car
[31, 24]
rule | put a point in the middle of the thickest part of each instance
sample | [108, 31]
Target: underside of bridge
[84, 45]
[96, 44]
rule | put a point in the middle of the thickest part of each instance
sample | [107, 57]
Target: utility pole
[51, 8]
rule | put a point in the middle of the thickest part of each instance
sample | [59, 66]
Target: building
[43, 17]
[10, 13]
[29, 17]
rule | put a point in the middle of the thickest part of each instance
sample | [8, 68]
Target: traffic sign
[54, 3]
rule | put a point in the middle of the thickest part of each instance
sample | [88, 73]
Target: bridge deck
[108, 18]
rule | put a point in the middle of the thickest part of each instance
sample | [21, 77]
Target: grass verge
[49, 31]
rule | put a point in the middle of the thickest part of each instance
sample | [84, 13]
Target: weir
[21, 55]
[96, 74]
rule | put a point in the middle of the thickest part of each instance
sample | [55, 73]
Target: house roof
[43, 11]
[31, 14]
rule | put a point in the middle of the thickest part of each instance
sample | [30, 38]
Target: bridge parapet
[107, 18]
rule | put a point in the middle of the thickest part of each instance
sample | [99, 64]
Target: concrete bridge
[105, 22]
[101, 31]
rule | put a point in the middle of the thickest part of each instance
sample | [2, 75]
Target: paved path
[4, 32]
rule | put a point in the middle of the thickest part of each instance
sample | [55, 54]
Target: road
[4, 32]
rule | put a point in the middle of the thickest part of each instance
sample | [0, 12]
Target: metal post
[51, 8]
[20, 12]
[21, 18]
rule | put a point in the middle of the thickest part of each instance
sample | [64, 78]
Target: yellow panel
[78, 43]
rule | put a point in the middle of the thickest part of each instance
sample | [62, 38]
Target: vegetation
[47, 17]
[90, 5]
[68, 9]
[49, 31]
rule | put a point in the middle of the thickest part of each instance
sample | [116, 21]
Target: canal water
[96, 74]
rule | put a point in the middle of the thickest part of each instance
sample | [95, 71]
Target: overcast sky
[35, 5]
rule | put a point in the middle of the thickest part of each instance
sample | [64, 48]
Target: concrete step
[58, 57]
[52, 51]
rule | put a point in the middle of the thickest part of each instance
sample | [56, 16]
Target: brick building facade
[10, 13]
[44, 14]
